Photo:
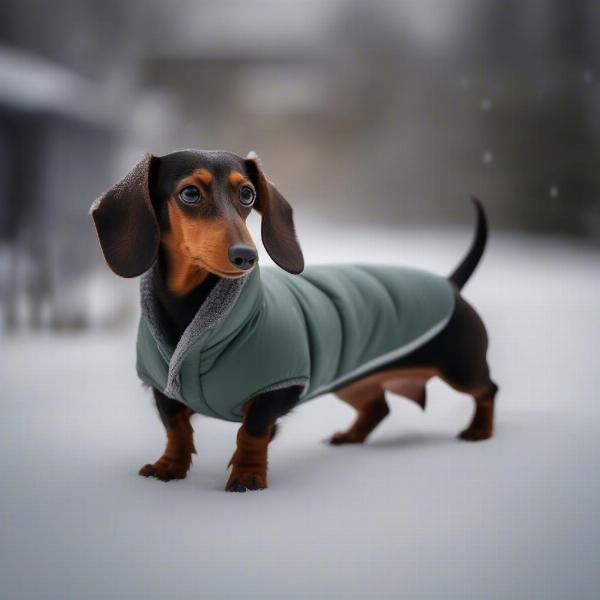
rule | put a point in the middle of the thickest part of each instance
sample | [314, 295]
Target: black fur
[168, 170]
[168, 409]
[268, 407]
[465, 269]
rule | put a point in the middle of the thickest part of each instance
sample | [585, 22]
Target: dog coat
[269, 330]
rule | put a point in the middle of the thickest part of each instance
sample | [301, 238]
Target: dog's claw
[164, 471]
[246, 481]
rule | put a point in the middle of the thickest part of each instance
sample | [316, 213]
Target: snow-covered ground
[415, 513]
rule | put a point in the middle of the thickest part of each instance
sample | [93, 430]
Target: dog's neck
[181, 273]
[181, 289]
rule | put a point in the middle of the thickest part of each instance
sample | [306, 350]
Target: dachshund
[220, 337]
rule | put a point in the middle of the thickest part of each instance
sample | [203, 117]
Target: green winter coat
[270, 329]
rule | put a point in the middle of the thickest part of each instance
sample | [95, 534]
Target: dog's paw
[241, 481]
[344, 437]
[473, 434]
[165, 470]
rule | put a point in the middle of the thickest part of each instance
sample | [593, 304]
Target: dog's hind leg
[177, 457]
[482, 424]
[372, 408]
[472, 377]
[461, 356]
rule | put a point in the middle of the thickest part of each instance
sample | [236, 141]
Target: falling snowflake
[465, 83]
[588, 77]
[486, 105]
[553, 191]
[487, 157]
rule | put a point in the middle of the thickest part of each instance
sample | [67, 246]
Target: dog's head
[194, 203]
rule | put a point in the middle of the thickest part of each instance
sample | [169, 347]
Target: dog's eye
[247, 196]
[189, 194]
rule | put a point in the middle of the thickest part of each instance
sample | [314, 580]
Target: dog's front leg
[177, 457]
[249, 461]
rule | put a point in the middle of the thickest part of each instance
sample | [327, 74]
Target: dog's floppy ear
[126, 223]
[277, 229]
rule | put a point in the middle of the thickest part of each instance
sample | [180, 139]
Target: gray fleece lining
[215, 308]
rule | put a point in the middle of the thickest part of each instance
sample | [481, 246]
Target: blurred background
[377, 120]
[374, 112]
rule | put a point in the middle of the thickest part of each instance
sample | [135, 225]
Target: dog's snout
[242, 256]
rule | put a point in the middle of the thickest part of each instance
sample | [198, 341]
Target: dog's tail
[465, 269]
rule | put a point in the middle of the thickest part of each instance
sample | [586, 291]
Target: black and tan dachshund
[184, 214]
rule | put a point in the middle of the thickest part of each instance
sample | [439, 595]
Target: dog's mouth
[225, 273]
[231, 274]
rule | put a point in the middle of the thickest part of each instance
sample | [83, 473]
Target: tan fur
[204, 176]
[177, 457]
[196, 246]
[359, 392]
[236, 179]
[249, 461]
[201, 178]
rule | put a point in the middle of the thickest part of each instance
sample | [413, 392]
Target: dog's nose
[243, 257]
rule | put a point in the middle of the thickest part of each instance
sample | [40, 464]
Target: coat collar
[211, 317]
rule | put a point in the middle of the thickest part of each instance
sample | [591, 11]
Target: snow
[487, 157]
[414, 513]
